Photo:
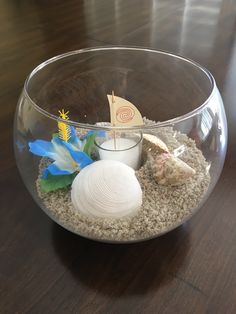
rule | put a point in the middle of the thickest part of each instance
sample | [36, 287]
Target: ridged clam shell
[106, 188]
[155, 144]
[170, 170]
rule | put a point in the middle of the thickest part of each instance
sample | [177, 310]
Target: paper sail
[123, 112]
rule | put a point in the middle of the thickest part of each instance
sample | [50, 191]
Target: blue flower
[68, 157]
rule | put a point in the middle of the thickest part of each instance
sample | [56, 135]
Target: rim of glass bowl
[135, 127]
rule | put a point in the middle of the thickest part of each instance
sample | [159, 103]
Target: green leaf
[53, 183]
[89, 144]
[55, 135]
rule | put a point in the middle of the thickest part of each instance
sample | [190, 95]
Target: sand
[163, 208]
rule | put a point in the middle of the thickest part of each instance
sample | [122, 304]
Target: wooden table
[44, 268]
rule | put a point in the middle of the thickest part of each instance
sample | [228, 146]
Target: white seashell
[170, 170]
[106, 188]
[156, 145]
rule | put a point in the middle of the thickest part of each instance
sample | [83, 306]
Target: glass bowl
[153, 176]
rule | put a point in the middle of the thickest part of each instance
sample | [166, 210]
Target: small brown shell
[170, 170]
[155, 144]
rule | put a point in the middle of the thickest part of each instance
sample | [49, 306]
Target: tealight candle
[123, 149]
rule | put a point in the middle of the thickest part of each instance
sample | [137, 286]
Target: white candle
[126, 150]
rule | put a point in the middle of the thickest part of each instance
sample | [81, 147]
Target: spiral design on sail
[125, 114]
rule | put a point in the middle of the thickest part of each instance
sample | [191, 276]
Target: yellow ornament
[63, 128]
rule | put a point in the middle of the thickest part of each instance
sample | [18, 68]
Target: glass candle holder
[123, 147]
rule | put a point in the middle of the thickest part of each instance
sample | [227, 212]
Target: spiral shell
[106, 188]
[170, 170]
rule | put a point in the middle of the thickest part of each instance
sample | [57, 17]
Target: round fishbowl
[120, 144]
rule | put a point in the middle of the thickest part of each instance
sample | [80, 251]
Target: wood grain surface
[44, 268]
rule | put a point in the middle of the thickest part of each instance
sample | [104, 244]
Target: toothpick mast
[113, 124]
